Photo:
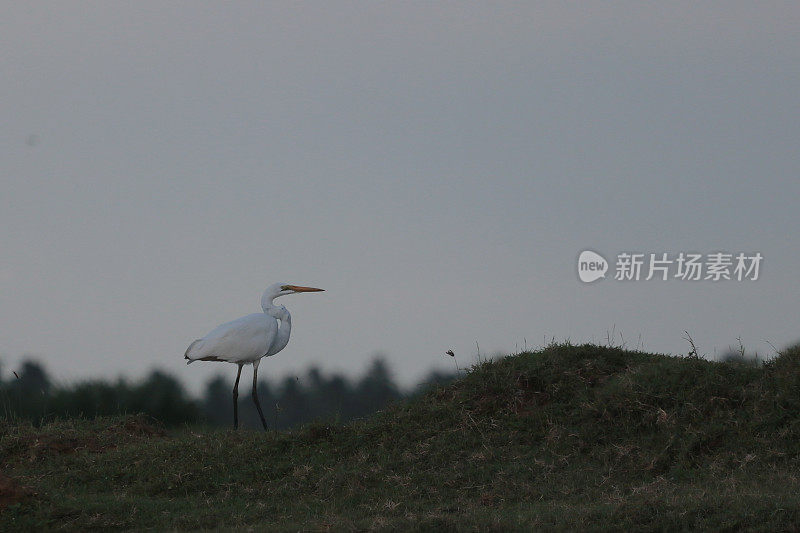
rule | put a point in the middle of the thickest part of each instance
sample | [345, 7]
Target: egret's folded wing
[240, 341]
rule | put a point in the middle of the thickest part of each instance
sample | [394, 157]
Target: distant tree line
[29, 394]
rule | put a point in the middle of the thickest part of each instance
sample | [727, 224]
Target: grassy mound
[577, 437]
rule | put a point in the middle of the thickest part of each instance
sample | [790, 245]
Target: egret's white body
[244, 340]
[248, 339]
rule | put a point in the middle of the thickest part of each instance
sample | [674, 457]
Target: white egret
[248, 339]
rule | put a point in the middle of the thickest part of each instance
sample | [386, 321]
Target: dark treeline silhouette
[29, 394]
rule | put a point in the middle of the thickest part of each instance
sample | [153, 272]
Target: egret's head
[282, 289]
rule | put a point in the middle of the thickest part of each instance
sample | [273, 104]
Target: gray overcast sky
[435, 166]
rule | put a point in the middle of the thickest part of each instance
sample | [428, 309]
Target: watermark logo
[591, 266]
[684, 266]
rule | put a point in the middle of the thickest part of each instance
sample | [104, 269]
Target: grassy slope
[576, 437]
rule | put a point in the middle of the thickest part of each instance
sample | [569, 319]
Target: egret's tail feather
[195, 353]
[189, 350]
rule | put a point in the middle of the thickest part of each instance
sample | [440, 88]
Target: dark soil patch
[11, 492]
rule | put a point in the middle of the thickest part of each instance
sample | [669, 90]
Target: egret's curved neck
[284, 328]
[267, 300]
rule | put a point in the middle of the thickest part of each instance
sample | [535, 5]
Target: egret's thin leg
[255, 393]
[236, 399]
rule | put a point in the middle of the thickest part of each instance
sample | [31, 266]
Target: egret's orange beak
[298, 288]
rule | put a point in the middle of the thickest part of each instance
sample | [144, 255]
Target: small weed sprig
[453, 355]
[693, 351]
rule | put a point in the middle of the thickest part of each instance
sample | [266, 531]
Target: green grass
[570, 437]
